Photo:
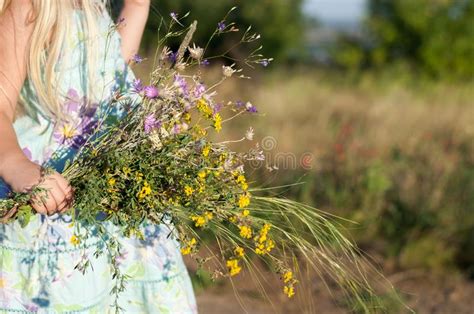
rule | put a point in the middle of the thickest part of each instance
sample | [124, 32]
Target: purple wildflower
[179, 128]
[180, 82]
[265, 62]
[221, 26]
[239, 104]
[217, 107]
[173, 57]
[151, 92]
[199, 90]
[174, 17]
[250, 108]
[150, 123]
[137, 85]
[137, 58]
[205, 62]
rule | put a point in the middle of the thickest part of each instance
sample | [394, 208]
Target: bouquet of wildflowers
[159, 164]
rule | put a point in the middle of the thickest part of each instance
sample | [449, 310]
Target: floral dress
[37, 263]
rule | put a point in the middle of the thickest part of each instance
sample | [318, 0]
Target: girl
[61, 61]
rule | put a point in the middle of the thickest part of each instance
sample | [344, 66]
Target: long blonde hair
[52, 20]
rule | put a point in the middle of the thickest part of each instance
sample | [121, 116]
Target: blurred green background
[380, 95]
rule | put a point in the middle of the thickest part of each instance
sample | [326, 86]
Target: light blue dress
[37, 263]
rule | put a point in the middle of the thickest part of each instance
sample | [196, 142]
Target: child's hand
[22, 175]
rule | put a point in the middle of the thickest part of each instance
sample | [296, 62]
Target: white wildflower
[196, 52]
[228, 71]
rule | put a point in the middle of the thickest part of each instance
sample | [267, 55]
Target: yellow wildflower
[186, 250]
[202, 174]
[240, 179]
[233, 219]
[244, 200]
[223, 157]
[245, 212]
[263, 244]
[217, 122]
[288, 276]
[187, 117]
[233, 266]
[188, 190]
[145, 191]
[289, 291]
[239, 252]
[270, 245]
[206, 150]
[263, 233]
[245, 232]
[204, 108]
[260, 249]
[75, 240]
[112, 181]
[218, 172]
[199, 221]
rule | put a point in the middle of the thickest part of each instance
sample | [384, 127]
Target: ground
[424, 293]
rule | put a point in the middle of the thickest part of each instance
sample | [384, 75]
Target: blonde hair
[52, 21]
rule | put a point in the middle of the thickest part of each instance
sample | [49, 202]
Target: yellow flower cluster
[245, 232]
[188, 190]
[217, 122]
[289, 290]
[145, 191]
[204, 108]
[244, 200]
[202, 220]
[289, 281]
[287, 276]
[187, 117]
[202, 174]
[239, 252]
[112, 182]
[242, 182]
[189, 247]
[233, 266]
[263, 243]
[206, 150]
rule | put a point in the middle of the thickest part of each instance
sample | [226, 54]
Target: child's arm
[15, 169]
[134, 16]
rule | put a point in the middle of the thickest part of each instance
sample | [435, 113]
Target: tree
[280, 22]
[433, 36]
